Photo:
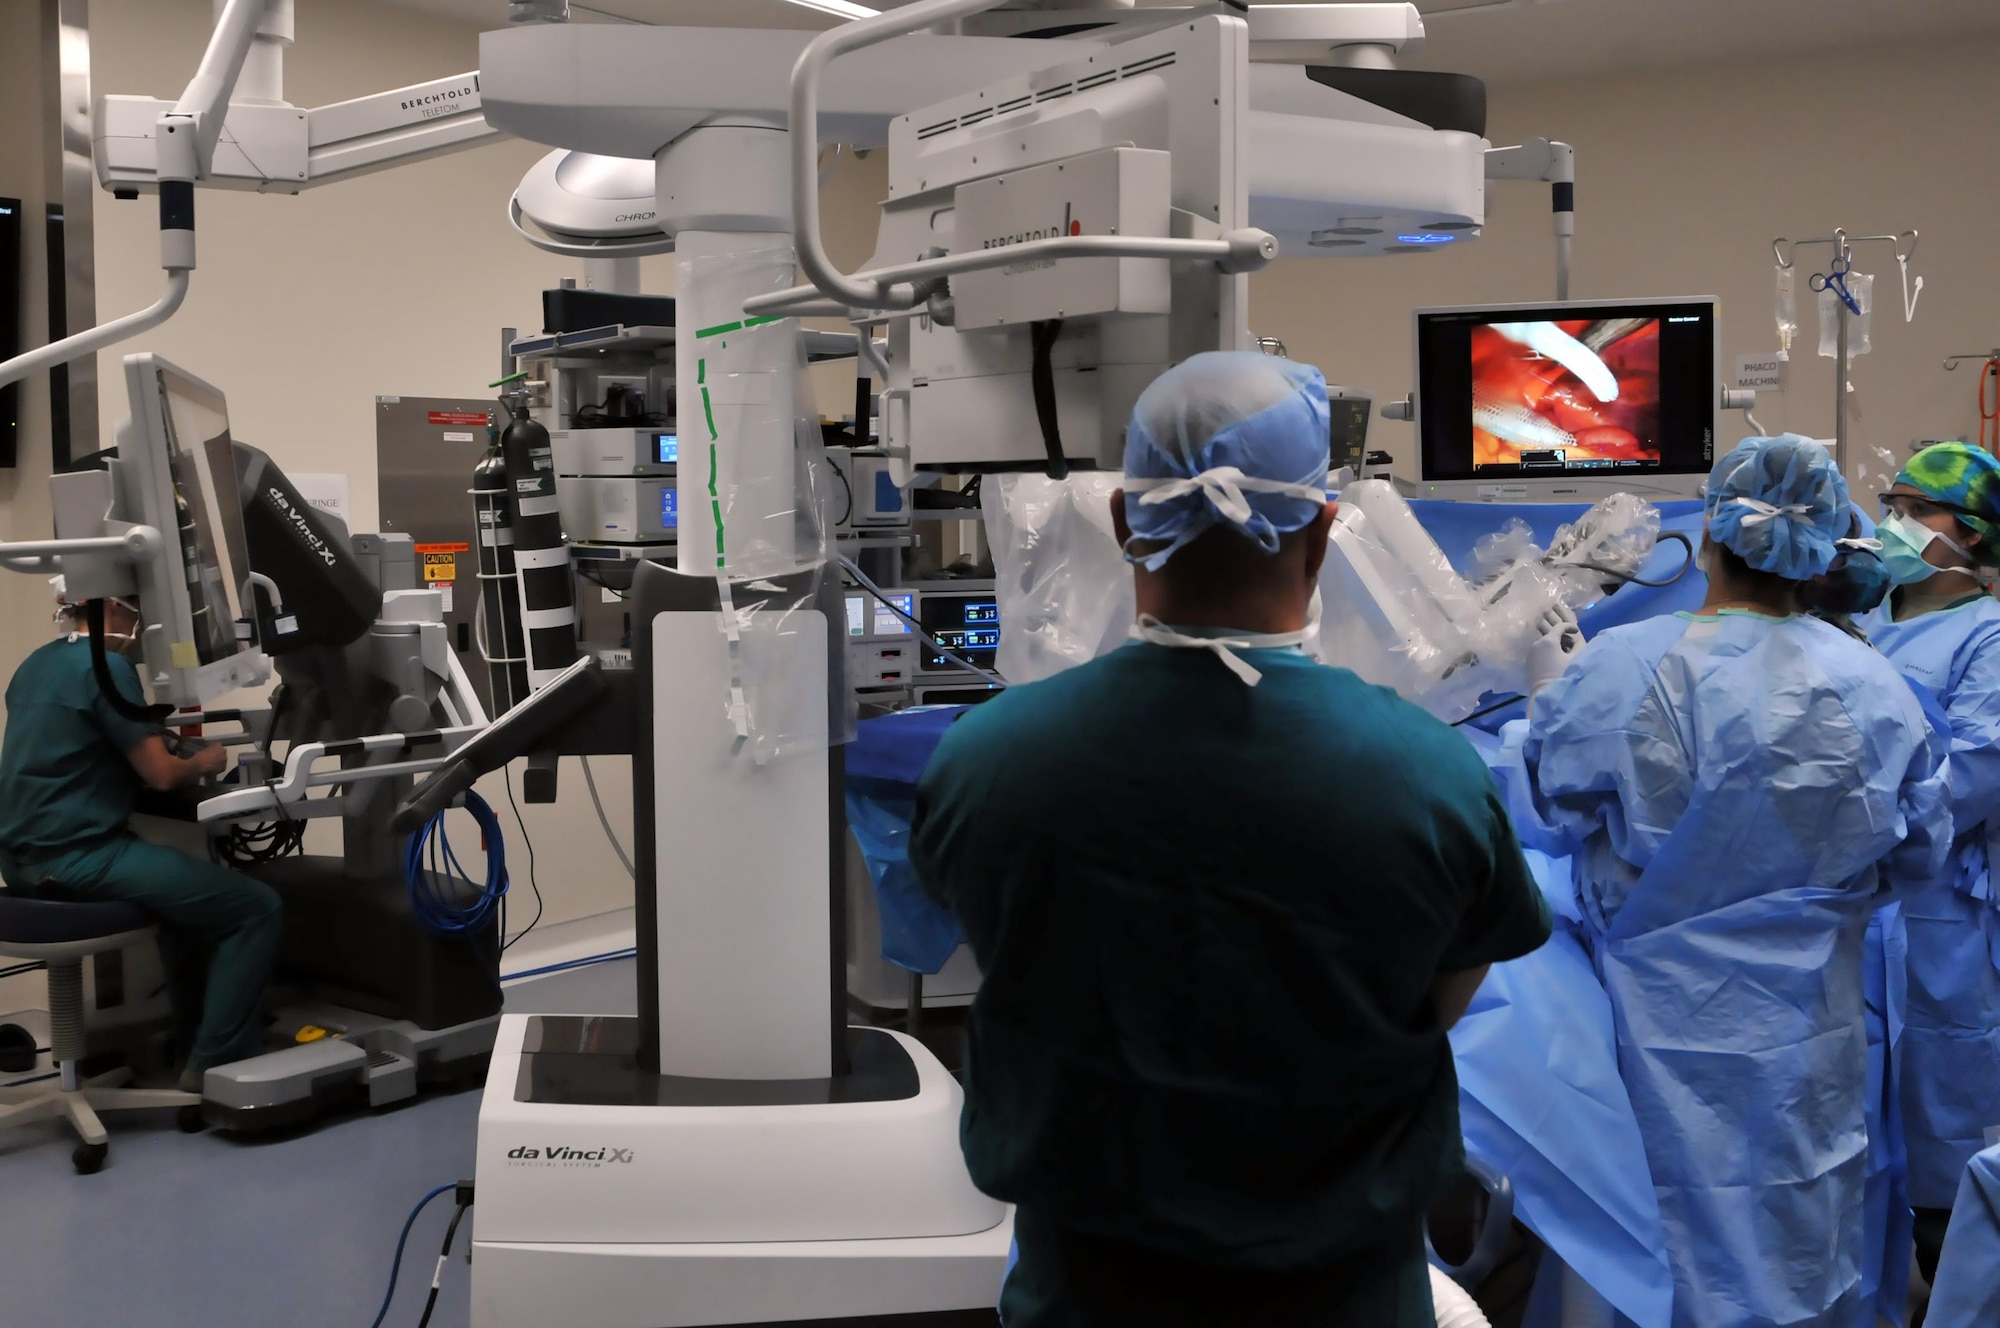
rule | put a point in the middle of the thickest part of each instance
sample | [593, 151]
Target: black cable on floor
[437, 1277]
[396, 1267]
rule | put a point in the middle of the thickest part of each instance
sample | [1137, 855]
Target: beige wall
[305, 308]
[24, 491]
[1683, 180]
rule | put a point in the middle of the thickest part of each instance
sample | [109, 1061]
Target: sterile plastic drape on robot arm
[1379, 620]
[751, 446]
[1398, 614]
[1396, 611]
[1064, 588]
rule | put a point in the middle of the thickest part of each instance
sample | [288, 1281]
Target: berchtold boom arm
[144, 144]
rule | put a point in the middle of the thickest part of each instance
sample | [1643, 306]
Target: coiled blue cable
[429, 865]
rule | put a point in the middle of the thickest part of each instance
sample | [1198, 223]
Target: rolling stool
[62, 936]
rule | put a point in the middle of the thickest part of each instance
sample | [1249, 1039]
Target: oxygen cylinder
[547, 596]
[507, 662]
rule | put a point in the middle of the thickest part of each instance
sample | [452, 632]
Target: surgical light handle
[184, 139]
[1554, 163]
[907, 285]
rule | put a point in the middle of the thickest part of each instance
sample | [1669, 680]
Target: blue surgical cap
[1226, 437]
[1778, 504]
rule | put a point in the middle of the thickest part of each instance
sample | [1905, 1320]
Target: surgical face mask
[116, 642]
[1904, 541]
[1155, 632]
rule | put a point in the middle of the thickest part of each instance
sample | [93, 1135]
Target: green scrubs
[67, 789]
[1204, 1059]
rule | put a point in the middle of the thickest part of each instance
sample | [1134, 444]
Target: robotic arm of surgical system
[1395, 610]
[1398, 613]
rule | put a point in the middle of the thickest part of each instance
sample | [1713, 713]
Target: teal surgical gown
[1204, 1059]
[1738, 793]
[1950, 1051]
[67, 789]
[64, 777]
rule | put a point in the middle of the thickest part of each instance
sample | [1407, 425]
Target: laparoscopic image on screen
[1559, 393]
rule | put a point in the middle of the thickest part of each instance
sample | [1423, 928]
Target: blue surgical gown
[1967, 1294]
[1950, 1051]
[1738, 793]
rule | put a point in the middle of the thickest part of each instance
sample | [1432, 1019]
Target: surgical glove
[1551, 652]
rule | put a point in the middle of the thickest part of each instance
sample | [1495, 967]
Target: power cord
[464, 1196]
[841, 475]
[529, 844]
[590, 782]
[1493, 709]
[1687, 564]
[565, 966]
[396, 1268]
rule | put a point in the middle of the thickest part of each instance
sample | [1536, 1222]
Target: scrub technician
[70, 769]
[1943, 631]
[1226, 901]
[1739, 789]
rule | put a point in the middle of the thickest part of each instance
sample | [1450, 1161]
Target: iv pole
[1843, 244]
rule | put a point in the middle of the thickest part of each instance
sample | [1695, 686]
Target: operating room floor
[201, 1231]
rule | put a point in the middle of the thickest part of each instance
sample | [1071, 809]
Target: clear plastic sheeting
[1064, 587]
[1862, 287]
[1399, 614]
[754, 509]
[779, 709]
[1395, 609]
[1785, 312]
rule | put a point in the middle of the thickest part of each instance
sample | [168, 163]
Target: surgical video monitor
[179, 475]
[1564, 402]
[967, 623]
[868, 616]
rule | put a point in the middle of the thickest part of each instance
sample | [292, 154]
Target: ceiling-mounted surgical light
[589, 206]
[1427, 237]
[838, 8]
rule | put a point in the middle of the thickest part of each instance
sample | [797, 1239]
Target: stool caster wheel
[190, 1120]
[89, 1158]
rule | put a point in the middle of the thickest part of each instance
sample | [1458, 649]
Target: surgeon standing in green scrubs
[70, 771]
[1226, 902]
